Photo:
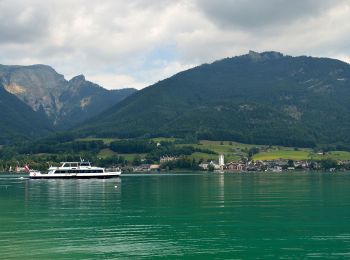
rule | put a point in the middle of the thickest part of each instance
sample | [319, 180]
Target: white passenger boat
[75, 170]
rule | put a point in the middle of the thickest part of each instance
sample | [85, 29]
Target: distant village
[244, 165]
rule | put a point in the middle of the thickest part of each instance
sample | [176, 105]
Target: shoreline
[184, 172]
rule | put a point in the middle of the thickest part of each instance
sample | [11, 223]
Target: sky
[135, 43]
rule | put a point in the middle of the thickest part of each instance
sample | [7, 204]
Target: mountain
[18, 121]
[66, 103]
[83, 99]
[263, 98]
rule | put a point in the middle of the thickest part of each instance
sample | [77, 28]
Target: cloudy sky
[134, 43]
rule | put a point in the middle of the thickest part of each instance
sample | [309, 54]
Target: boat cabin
[77, 167]
[74, 164]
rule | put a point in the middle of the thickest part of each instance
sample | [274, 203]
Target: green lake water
[193, 216]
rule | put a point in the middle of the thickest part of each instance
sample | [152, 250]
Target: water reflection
[79, 191]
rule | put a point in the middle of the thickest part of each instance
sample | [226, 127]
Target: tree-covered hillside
[83, 99]
[18, 121]
[262, 98]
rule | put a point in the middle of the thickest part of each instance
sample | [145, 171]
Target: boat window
[74, 164]
[60, 171]
[84, 164]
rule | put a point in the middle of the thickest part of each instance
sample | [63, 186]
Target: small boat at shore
[75, 170]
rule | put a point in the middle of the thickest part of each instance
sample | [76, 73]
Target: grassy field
[224, 146]
[335, 155]
[234, 151]
[212, 157]
[305, 154]
[108, 153]
[283, 154]
[105, 140]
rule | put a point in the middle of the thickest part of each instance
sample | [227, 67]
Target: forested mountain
[83, 99]
[65, 103]
[18, 121]
[264, 98]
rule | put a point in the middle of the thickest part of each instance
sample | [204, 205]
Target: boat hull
[75, 176]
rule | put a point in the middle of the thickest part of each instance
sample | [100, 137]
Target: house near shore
[205, 166]
[165, 159]
[142, 168]
[278, 162]
[146, 168]
[236, 166]
[275, 169]
[20, 169]
[257, 166]
[154, 167]
[305, 165]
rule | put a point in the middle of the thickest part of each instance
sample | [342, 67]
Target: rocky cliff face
[38, 86]
[65, 103]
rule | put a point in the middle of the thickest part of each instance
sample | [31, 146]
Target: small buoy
[115, 186]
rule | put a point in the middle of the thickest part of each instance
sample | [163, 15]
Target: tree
[327, 164]
[211, 168]
[133, 146]
[252, 151]
[290, 163]
[137, 160]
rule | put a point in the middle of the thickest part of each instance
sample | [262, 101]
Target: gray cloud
[21, 23]
[126, 43]
[262, 13]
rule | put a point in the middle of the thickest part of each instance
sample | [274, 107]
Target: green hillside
[18, 121]
[261, 98]
[83, 99]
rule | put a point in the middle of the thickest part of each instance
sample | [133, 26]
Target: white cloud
[117, 81]
[136, 43]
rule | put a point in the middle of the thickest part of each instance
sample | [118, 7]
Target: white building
[221, 160]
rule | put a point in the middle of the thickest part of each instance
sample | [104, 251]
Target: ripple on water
[205, 216]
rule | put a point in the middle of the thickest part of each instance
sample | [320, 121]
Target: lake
[236, 216]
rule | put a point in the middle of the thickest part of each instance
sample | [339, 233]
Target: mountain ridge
[65, 102]
[267, 98]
